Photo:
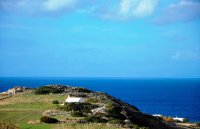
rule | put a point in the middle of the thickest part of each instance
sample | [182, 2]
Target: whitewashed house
[179, 119]
[157, 115]
[74, 99]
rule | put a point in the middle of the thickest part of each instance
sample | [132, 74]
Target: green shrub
[47, 90]
[72, 107]
[55, 102]
[115, 112]
[7, 125]
[186, 120]
[115, 121]
[81, 107]
[47, 119]
[92, 100]
[94, 119]
[133, 126]
[83, 90]
[77, 114]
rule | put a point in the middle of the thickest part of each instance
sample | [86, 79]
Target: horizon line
[99, 77]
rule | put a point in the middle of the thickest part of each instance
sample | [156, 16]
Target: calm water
[173, 97]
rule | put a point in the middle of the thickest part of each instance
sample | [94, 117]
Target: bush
[186, 120]
[94, 119]
[47, 119]
[92, 100]
[77, 114]
[72, 107]
[115, 112]
[133, 126]
[115, 121]
[81, 107]
[55, 102]
[47, 90]
[83, 90]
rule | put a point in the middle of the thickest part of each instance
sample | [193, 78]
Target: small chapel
[71, 99]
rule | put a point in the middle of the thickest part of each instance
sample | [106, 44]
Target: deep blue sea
[170, 97]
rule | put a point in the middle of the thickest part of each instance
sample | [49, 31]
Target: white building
[157, 115]
[179, 119]
[74, 99]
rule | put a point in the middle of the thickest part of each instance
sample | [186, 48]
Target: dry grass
[30, 98]
[7, 125]
[4, 96]
[22, 108]
[85, 126]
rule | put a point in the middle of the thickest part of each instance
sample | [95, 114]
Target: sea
[166, 96]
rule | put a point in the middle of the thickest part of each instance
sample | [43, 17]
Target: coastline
[45, 105]
[176, 98]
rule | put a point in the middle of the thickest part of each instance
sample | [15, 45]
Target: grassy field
[23, 108]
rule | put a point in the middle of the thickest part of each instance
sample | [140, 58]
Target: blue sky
[100, 38]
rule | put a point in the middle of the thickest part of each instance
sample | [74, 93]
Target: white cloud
[107, 9]
[184, 10]
[128, 9]
[144, 8]
[125, 6]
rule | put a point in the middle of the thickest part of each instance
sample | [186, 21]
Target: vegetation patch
[79, 89]
[47, 119]
[55, 102]
[92, 100]
[81, 107]
[77, 114]
[47, 90]
[95, 119]
[115, 112]
[115, 121]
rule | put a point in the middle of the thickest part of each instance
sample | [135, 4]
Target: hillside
[99, 110]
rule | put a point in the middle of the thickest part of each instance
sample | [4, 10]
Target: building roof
[157, 115]
[179, 119]
[74, 99]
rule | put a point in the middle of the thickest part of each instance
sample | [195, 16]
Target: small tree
[47, 119]
[186, 120]
[77, 114]
[55, 102]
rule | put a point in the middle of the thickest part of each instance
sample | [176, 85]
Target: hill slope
[24, 108]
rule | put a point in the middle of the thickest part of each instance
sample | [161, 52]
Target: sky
[100, 38]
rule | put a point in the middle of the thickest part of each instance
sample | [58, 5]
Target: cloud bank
[182, 11]
[128, 9]
[106, 9]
